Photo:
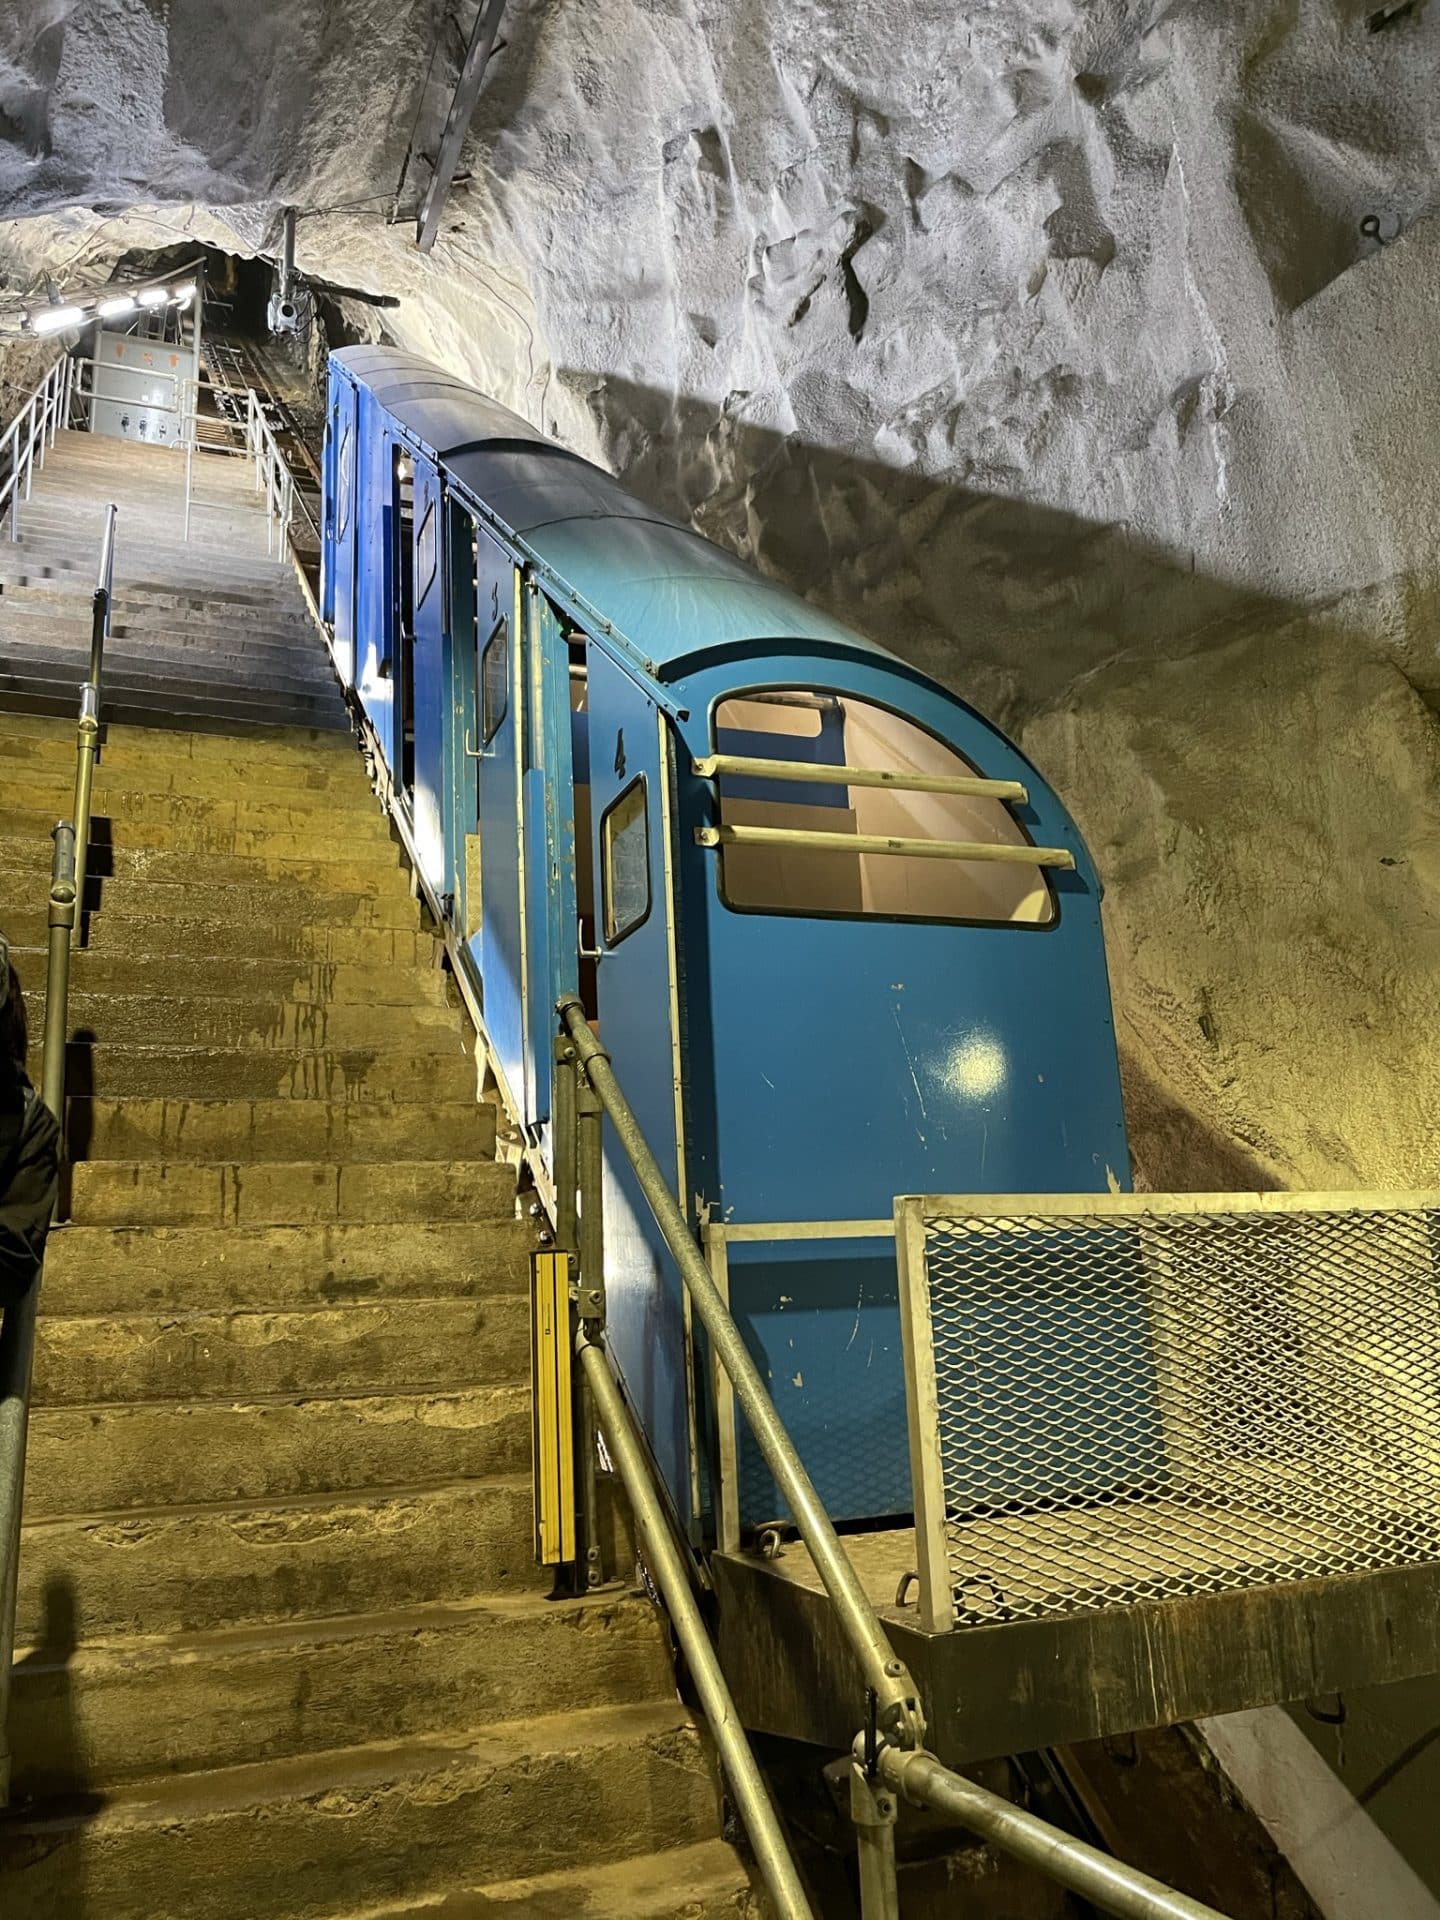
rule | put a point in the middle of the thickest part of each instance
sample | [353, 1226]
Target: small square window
[495, 681]
[625, 863]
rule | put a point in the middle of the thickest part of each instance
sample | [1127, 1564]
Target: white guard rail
[24, 442]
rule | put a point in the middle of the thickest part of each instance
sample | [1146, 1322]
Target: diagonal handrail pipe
[899, 1713]
[17, 1330]
[896, 1761]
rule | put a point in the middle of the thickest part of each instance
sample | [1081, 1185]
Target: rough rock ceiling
[1083, 352]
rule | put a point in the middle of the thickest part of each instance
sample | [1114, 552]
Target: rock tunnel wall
[1084, 354]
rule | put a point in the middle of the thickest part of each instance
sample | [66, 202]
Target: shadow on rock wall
[1256, 779]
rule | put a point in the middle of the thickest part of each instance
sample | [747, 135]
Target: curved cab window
[827, 729]
[625, 862]
[495, 681]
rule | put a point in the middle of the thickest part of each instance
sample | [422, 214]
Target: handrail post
[590, 1303]
[17, 1330]
[672, 1577]
[87, 734]
[872, 1814]
[899, 1713]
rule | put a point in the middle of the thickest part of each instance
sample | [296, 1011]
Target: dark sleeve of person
[27, 1200]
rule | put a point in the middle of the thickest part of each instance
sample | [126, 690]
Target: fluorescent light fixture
[154, 296]
[113, 308]
[56, 319]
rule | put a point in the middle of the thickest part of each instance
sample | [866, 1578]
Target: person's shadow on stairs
[51, 1766]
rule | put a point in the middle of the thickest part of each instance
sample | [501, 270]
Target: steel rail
[813, 773]
[898, 1701]
[1105, 1882]
[752, 1796]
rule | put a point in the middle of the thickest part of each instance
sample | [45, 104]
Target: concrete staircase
[284, 1652]
[211, 629]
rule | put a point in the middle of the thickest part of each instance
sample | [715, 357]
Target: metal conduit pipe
[900, 1717]
[1105, 1883]
[752, 1796]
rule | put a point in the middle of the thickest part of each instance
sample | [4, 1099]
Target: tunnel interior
[1083, 357]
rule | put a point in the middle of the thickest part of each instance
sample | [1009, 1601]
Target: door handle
[478, 753]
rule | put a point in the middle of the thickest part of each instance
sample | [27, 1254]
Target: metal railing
[24, 442]
[889, 1759]
[17, 1331]
[283, 499]
[1119, 1400]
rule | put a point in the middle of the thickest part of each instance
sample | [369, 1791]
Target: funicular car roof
[675, 596]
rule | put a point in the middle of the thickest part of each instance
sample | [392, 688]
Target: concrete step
[113, 933]
[394, 1820]
[159, 1453]
[129, 814]
[103, 1071]
[120, 1270]
[150, 669]
[174, 901]
[289, 1026]
[184, 1569]
[145, 700]
[144, 1193]
[144, 607]
[29, 855]
[122, 1710]
[131, 847]
[701, 1882]
[402, 1345]
[300, 754]
[97, 973]
[66, 626]
[254, 1131]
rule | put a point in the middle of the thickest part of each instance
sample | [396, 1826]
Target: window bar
[1019, 856]
[812, 773]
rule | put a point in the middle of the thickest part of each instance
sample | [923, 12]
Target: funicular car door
[494, 750]
[341, 525]
[633, 860]
[428, 682]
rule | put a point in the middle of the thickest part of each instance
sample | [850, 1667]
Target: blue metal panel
[374, 574]
[431, 679]
[552, 957]
[646, 1323]
[883, 1057]
[500, 945]
[340, 543]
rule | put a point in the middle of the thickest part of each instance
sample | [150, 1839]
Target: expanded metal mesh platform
[1129, 1399]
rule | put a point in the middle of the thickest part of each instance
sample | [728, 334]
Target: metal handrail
[898, 1706]
[17, 1331]
[815, 773]
[752, 1796]
[43, 415]
[890, 1757]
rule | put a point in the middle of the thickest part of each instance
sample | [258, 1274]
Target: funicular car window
[427, 555]
[495, 681]
[625, 862]
[829, 878]
[345, 482]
